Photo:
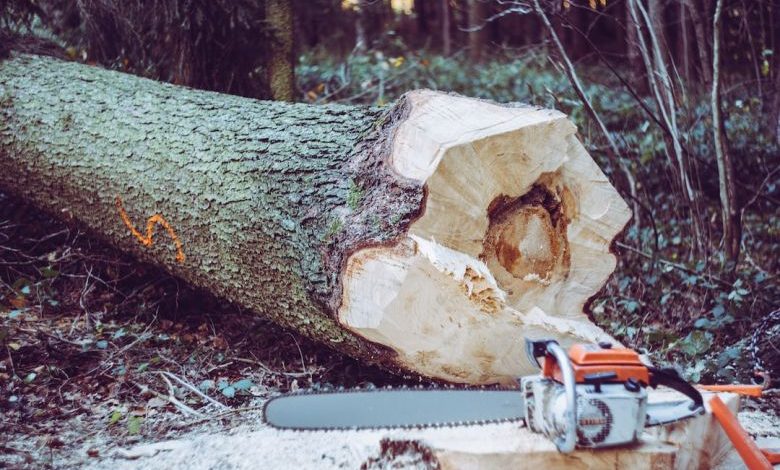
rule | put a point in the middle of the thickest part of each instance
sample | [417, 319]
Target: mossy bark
[265, 198]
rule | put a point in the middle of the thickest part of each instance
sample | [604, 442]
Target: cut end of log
[513, 241]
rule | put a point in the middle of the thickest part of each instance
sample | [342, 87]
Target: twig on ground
[221, 415]
[220, 366]
[255, 362]
[11, 360]
[193, 389]
[50, 335]
[303, 363]
[84, 292]
[170, 397]
[672, 264]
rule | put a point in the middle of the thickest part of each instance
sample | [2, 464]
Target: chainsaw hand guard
[565, 441]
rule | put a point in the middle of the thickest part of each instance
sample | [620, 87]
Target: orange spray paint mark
[147, 240]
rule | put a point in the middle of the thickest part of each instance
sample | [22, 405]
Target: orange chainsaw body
[590, 360]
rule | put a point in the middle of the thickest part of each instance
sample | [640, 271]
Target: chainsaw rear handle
[567, 440]
[670, 378]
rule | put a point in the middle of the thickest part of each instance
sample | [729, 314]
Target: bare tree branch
[732, 230]
[612, 150]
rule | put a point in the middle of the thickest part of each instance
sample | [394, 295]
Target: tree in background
[203, 44]
[281, 60]
[476, 29]
[730, 217]
[361, 35]
[446, 36]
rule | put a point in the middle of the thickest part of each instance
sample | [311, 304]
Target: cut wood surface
[429, 237]
[691, 444]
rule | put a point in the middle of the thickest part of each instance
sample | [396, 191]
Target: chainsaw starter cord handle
[669, 378]
[568, 441]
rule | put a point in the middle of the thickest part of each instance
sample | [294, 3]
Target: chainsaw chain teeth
[410, 427]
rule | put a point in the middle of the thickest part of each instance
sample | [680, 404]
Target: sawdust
[252, 446]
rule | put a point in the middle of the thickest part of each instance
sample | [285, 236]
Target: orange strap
[753, 457]
[773, 457]
[748, 390]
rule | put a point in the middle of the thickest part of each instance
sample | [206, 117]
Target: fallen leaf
[243, 384]
[156, 402]
[114, 418]
[54, 442]
[134, 424]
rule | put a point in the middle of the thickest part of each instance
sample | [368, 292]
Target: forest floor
[106, 391]
[99, 352]
[103, 390]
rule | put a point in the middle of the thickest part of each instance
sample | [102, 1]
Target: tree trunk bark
[477, 30]
[655, 10]
[446, 35]
[632, 52]
[429, 237]
[682, 45]
[361, 38]
[281, 63]
[730, 215]
[699, 29]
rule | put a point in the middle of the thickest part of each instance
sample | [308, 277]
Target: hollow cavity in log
[526, 237]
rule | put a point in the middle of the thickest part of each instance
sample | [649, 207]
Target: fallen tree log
[430, 236]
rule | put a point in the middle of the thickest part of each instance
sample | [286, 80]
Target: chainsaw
[589, 397]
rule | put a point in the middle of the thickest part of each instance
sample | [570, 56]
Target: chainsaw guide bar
[393, 408]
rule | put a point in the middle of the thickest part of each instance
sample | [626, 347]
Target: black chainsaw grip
[536, 348]
[670, 378]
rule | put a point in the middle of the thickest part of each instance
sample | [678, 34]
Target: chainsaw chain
[391, 389]
[767, 322]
